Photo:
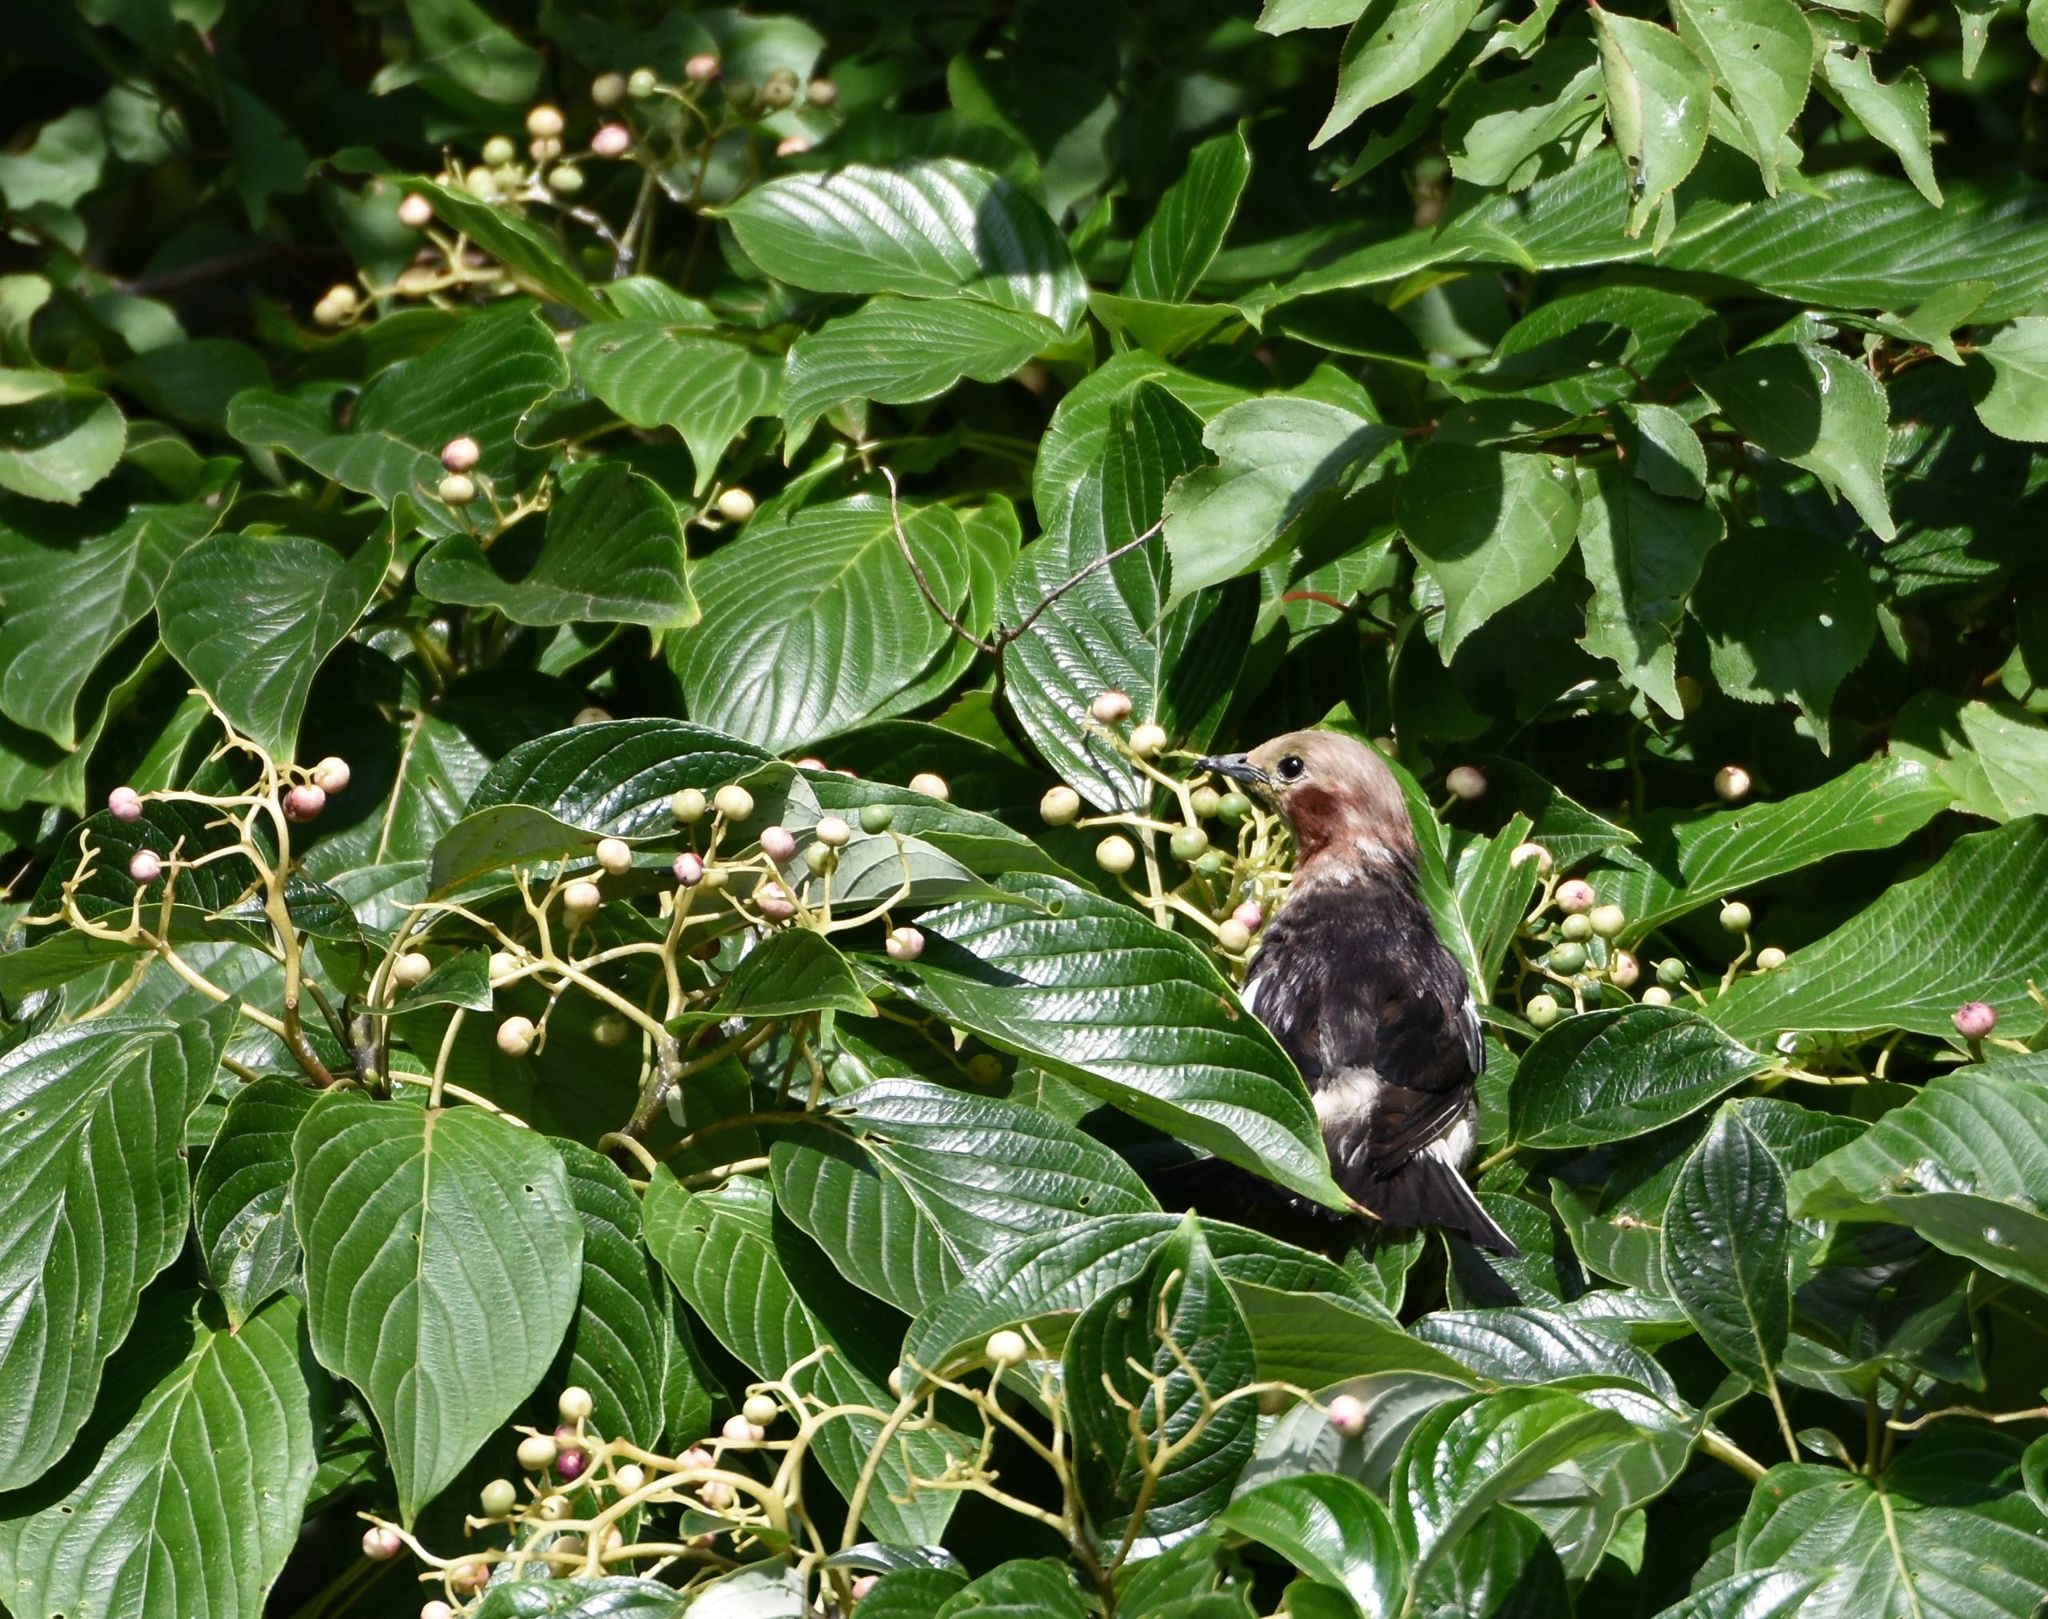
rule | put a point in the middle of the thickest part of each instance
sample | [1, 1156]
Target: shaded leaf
[1727, 1243]
[242, 1196]
[1611, 1074]
[1659, 94]
[1174, 250]
[1331, 1529]
[1817, 409]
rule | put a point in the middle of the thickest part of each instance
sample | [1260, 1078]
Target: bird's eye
[1290, 768]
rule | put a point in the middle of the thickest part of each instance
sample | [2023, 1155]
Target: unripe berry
[1347, 1415]
[688, 869]
[736, 504]
[1535, 852]
[896, 1381]
[609, 1030]
[1188, 843]
[1769, 959]
[877, 818]
[1204, 801]
[608, 89]
[641, 83]
[498, 1498]
[1006, 1348]
[1210, 864]
[1249, 917]
[780, 89]
[1234, 937]
[537, 1452]
[338, 302]
[1148, 739]
[739, 1431]
[569, 1465]
[761, 1410]
[821, 859]
[1567, 957]
[436, 1609]
[733, 801]
[498, 151]
[985, 1068]
[581, 897]
[793, 146]
[565, 180]
[1623, 969]
[701, 68]
[331, 774]
[1671, 972]
[615, 855]
[1467, 782]
[1111, 707]
[931, 785]
[1060, 806]
[382, 1544]
[822, 92]
[1975, 1019]
[863, 1584]
[1608, 920]
[1542, 1010]
[1735, 916]
[1656, 995]
[1115, 855]
[515, 1039]
[1731, 784]
[504, 966]
[415, 212]
[125, 804]
[1577, 927]
[457, 489]
[716, 1494]
[411, 968]
[304, 803]
[778, 843]
[629, 1478]
[1232, 808]
[1575, 894]
[545, 122]
[833, 832]
[687, 806]
[575, 1404]
[904, 944]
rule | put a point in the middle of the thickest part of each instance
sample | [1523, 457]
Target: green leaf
[1495, 130]
[57, 439]
[612, 552]
[1134, 1014]
[656, 375]
[1817, 409]
[1659, 93]
[614, 1596]
[899, 351]
[759, 1287]
[1761, 54]
[242, 1196]
[614, 777]
[421, 1228]
[1316, 1338]
[60, 166]
[68, 606]
[458, 39]
[1797, 641]
[1993, 762]
[1589, 350]
[1487, 525]
[2009, 381]
[619, 1339]
[1973, 928]
[189, 1498]
[781, 678]
[1275, 457]
[1174, 250]
[1334, 1531]
[1611, 1074]
[1143, 1368]
[1018, 1590]
[791, 972]
[1503, 1568]
[1669, 455]
[1963, 1163]
[1389, 48]
[253, 619]
[1765, 1593]
[1727, 1246]
[1894, 113]
[925, 1183]
[1945, 1533]
[95, 1195]
[1643, 554]
[534, 258]
[930, 229]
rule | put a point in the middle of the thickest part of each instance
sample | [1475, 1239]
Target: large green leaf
[534, 258]
[1727, 1246]
[1894, 113]
[1390, 47]
[617, 776]
[781, 675]
[93, 1201]
[442, 1257]
[1137, 1015]
[1993, 760]
[1334, 1531]
[57, 439]
[657, 375]
[1817, 409]
[189, 1496]
[242, 1196]
[1611, 1074]
[1179, 241]
[1965, 1164]
[1496, 129]
[932, 228]
[1659, 94]
[1643, 554]
[923, 1183]
[761, 1289]
[619, 1344]
[611, 552]
[1761, 54]
[252, 620]
[1973, 928]
[2009, 381]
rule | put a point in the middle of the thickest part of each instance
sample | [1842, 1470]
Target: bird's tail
[1428, 1191]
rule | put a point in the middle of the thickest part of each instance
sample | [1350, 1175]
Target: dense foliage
[560, 1036]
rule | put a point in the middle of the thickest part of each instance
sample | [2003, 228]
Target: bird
[1359, 989]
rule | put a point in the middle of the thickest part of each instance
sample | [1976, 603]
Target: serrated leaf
[1132, 1013]
[1174, 250]
[1817, 409]
[242, 1196]
[1615, 1073]
[657, 375]
[1643, 554]
[190, 1498]
[1495, 129]
[95, 1193]
[57, 438]
[252, 620]
[1018, 1590]
[2009, 381]
[1894, 113]
[931, 228]
[1659, 94]
[418, 1227]
[1334, 1531]
[616, 776]
[1761, 54]
[1992, 760]
[1727, 1245]
[1389, 48]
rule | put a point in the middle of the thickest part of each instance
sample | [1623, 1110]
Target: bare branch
[1058, 591]
[924, 585]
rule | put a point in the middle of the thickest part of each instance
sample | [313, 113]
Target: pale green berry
[1670, 972]
[1579, 928]
[687, 806]
[1205, 801]
[1735, 916]
[1234, 937]
[1608, 920]
[537, 1452]
[1770, 959]
[499, 150]
[1542, 1010]
[877, 818]
[1233, 807]
[1567, 957]
[733, 801]
[761, 1410]
[1115, 855]
[1006, 1348]
[498, 1498]
[1656, 995]
[1060, 806]
[1188, 843]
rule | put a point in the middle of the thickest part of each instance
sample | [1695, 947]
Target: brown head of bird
[1340, 800]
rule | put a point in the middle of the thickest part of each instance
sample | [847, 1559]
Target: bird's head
[1338, 797]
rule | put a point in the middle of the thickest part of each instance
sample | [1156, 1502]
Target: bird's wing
[1406, 1121]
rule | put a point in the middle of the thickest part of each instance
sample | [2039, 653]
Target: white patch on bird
[1349, 1096]
[1454, 1146]
[1248, 995]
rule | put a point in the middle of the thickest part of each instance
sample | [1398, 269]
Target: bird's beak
[1238, 767]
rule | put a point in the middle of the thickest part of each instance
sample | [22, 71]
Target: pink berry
[125, 804]
[570, 1463]
[775, 905]
[460, 454]
[793, 146]
[145, 866]
[1249, 917]
[689, 869]
[436, 1609]
[864, 1584]
[1575, 894]
[612, 140]
[778, 843]
[739, 1431]
[695, 1456]
[382, 1543]
[701, 68]
[1111, 707]
[1347, 1415]
[904, 944]
[1975, 1019]
[304, 803]
[1731, 784]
